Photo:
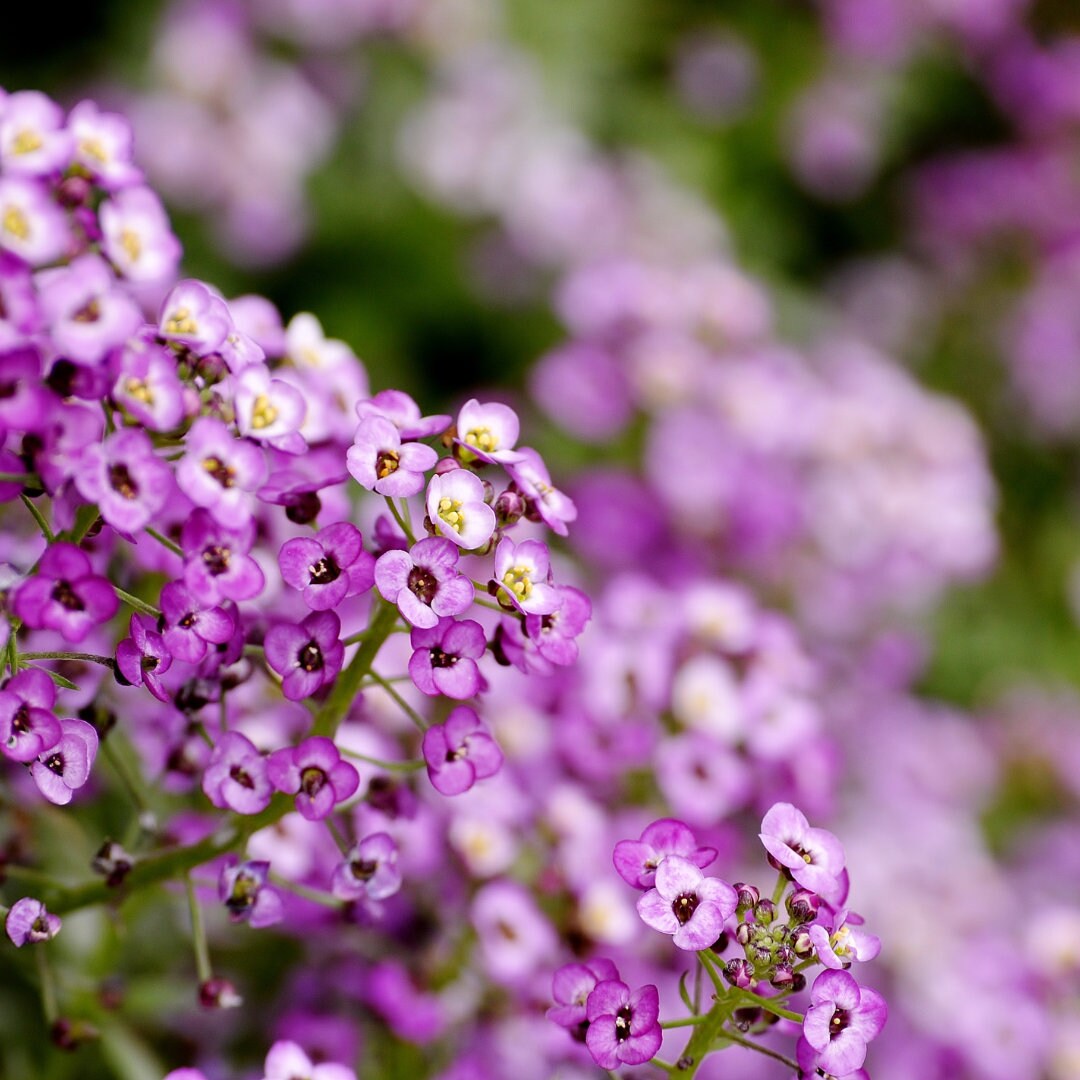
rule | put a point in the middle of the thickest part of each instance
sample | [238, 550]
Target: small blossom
[102, 146]
[236, 776]
[460, 752]
[814, 856]
[424, 582]
[29, 923]
[316, 774]
[33, 138]
[287, 1061]
[404, 414]
[555, 634]
[571, 986]
[143, 657]
[488, 432]
[194, 316]
[192, 624]
[62, 769]
[218, 471]
[522, 572]
[842, 1018]
[268, 410]
[32, 226]
[636, 860]
[137, 238]
[308, 655]
[243, 890]
[147, 385]
[126, 479]
[370, 870]
[687, 905]
[456, 507]
[65, 595]
[381, 462]
[217, 565]
[329, 567]
[444, 660]
[28, 727]
[841, 939]
[624, 1027]
[545, 502]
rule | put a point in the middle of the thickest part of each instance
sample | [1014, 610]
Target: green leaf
[56, 677]
[684, 993]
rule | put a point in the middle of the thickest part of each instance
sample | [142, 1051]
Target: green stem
[27, 479]
[403, 525]
[198, 933]
[389, 766]
[84, 657]
[706, 959]
[768, 1005]
[316, 896]
[140, 606]
[689, 1021]
[48, 985]
[751, 1045]
[781, 885]
[37, 515]
[405, 707]
[343, 845]
[164, 541]
[127, 781]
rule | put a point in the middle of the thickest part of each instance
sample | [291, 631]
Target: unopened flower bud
[743, 933]
[71, 1034]
[798, 982]
[219, 993]
[509, 507]
[802, 944]
[446, 465]
[748, 895]
[782, 976]
[803, 905]
[305, 509]
[739, 973]
[745, 1019]
[112, 862]
[765, 912]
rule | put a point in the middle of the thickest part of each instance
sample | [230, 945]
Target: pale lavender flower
[102, 146]
[456, 507]
[28, 727]
[624, 1027]
[308, 655]
[488, 432]
[216, 561]
[460, 752]
[329, 567]
[65, 594]
[444, 658]
[147, 384]
[268, 410]
[28, 923]
[236, 776]
[218, 471]
[32, 226]
[194, 316]
[636, 861]
[316, 774]
[814, 857]
[686, 904]
[571, 986]
[370, 870]
[243, 889]
[193, 623]
[33, 139]
[839, 939]
[842, 1018]
[424, 582]
[143, 657]
[381, 462]
[137, 237]
[62, 769]
[126, 479]
[545, 502]
[287, 1061]
[523, 571]
[404, 414]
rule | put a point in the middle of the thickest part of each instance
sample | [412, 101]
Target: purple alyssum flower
[686, 904]
[62, 769]
[136, 236]
[28, 727]
[571, 986]
[444, 658]
[102, 146]
[487, 432]
[842, 1018]
[126, 479]
[636, 861]
[809, 1062]
[33, 138]
[218, 471]
[544, 501]
[236, 776]
[457, 510]
[460, 752]
[555, 634]
[316, 774]
[194, 316]
[306, 655]
[624, 1026]
[32, 226]
[216, 561]
[329, 567]
[403, 413]
[65, 594]
[28, 923]
[143, 657]
[243, 889]
[839, 939]
[814, 857]
[380, 461]
[287, 1061]
[192, 624]
[424, 582]
[268, 410]
[522, 572]
[370, 870]
[147, 384]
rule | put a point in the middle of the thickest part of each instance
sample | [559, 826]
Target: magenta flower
[143, 656]
[29, 923]
[814, 857]
[555, 634]
[456, 507]
[624, 1027]
[403, 413]
[65, 595]
[424, 582]
[62, 769]
[843, 1017]
[488, 432]
[315, 773]
[636, 860]
[686, 904]
[380, 461]
[523, 572]
[444, 660]
[216, 561]
[136, 236]
[544, 501]
[370, 870]
[147, 384]
[243, 890]
[840, 939]
[287, 1061]
[236, 776]
[126, 479]
[192, 624]
[218, 470]
[86, 313]
[809, 1061]
[571, 986]
[329, 567]
[28, 727]
[194, 316]
[32, 226]
[306, 656]
[460, 752]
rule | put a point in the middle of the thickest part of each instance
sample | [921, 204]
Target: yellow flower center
[92, 148]
[263, 414]
[132, 245]
[450, 512]
[482, 439]
[27, 141]
[15, 223]
[517, 580]
[139, 390]
[181, 322]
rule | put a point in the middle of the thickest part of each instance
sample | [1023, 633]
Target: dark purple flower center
[312, 781]
[840, 1020]
[120, 480]
[240, 776]
[684, 907]
[622, 1024]
[363, 869]
[324, 571]
[222, 473]
[55, 763]
[386, 463]
[423, 584]
[244, 892]
[89, 312]
[310, 657]
[440, 659]
[66, 596]
[20, 722]
[148, 663]
[216, 559]
[187, 622]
